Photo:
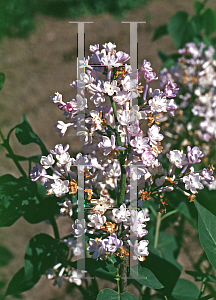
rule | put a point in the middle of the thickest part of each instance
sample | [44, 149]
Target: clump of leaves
[183, 28]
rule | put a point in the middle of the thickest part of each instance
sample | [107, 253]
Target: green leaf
[2, 80]
[128, 296]
[197, 24]
[42, 208]
[5, 256]
[180, 29]
[184, 210]
[207, 232]
[198, 6]
[43, 252]
[107, 294]
[113, 295]
[22, 197]
[199, 276]
[15, 195]
[163, 265]
[209, 21]
[185, 290]
[167, 242]
[159, 32]
[19, 284]
[207, 198]
[26, 135]
[145, 277]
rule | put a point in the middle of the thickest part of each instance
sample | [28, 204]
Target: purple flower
[207, 175]
[146, 66]
[94, 49]
[169, 89]
[122, 56]
[150, 76]
[194, 155]
[112, 243]
[171, 107]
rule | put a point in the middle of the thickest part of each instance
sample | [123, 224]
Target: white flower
[112, 243]
[59, 149]
[107, 144]
[121, 215]
[137, 171]
[59, 188]
[47, 161]
[114, 169]
[83, 161]
[136, 223]
[57, 98]
[110, 88]
[76, 276]
[140, 250]
[178, 158]
[109, 47]
[75, 245]
[140, 144]
[97, 247]
[61, 127]
[124, 117]
[121, 97]
[154, 135]
[96, 220]
[192, 181]
[158, 103]
[66, 207]
[110, 61]
[97, 92]
[38, 174]
[57, 279]
[79, 228]
[63, 159]
[136, 115]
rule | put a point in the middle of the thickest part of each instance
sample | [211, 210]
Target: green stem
[123, 276]
[157, 230]
[203, 287]
[210, 296]
[114, 111]
[7, 146]
[168, 214]
[122, 186]
[118, 281]
[55, 227]
[153, 211]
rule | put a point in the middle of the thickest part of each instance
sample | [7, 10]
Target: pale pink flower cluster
[116, 148]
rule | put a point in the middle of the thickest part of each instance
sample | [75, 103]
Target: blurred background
[38, 50]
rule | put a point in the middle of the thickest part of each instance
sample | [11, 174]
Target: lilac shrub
[120, 195]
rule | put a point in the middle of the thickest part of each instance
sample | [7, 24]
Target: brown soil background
[36, 68]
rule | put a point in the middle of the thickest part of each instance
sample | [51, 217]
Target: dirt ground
[39, 66]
